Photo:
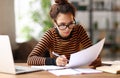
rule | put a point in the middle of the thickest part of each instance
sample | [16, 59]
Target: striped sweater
[52, 41]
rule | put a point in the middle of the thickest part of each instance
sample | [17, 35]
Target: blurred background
[25, 21]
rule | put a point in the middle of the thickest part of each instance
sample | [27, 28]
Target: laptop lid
[6, 57]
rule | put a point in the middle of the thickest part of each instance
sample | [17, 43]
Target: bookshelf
[100, 18]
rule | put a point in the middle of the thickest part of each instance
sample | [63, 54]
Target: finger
[61, 63]
[61, 60]
[63, 56]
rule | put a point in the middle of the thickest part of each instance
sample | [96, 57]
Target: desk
[45, 74]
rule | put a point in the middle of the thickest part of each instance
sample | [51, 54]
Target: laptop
[6, 59]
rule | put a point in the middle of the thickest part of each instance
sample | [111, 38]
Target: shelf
[102, 16]
[99, 10]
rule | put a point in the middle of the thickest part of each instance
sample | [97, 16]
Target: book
[115, 68]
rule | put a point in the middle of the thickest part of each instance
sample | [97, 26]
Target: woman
[64, 38]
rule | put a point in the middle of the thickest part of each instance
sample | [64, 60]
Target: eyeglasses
[70, 25]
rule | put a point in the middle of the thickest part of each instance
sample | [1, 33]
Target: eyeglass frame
[65, 25]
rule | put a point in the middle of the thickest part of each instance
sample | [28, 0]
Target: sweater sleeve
[97, 62]
[37, 56]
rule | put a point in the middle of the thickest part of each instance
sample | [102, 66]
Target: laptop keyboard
[22, 68]
[19, 69]
[25, 69]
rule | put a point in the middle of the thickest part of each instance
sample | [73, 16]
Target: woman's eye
[62, 25]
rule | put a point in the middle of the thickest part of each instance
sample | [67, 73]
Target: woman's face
[64, 20]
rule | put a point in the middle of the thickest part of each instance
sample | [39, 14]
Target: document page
[87, 70]
[48, 67]
[74, 71]
[86, 56]
[64, 72]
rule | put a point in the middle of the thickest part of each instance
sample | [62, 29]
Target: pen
[55, 54]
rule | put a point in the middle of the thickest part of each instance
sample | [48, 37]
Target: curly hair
[61, 6]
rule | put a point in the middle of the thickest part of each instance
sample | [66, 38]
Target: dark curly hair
[61, 6]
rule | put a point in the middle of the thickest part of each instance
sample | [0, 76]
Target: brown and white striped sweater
[52, 41]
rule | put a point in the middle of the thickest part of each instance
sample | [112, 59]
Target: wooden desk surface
[45, 74]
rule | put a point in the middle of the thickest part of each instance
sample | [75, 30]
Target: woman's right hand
[61, 60]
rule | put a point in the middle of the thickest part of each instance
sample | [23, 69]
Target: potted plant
[40, 15]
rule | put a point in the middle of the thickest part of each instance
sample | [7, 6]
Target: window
[26, 27]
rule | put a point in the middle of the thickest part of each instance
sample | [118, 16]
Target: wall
[7, 20]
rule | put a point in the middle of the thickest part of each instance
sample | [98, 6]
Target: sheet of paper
[87, 70]
[64, 72]
[48, 67]
[74, 71]
[86, 56]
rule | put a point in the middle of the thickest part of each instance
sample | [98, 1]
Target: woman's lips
[66, 32]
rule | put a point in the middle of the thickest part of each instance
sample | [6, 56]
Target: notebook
[115, 69]
[6, 59]
[110, 67]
